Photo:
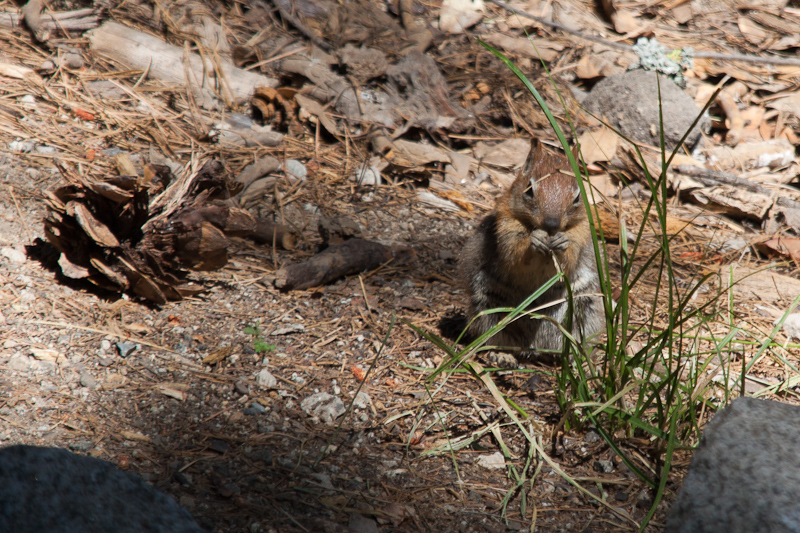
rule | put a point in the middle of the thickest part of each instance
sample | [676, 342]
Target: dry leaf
[533, 48]
[507, 154]
[787, 104]
[540, 8]
[411, 154]
[456, 16]
[676, 225]
[431, 200]
[587, 68]
[598, 145]
[310, 108]
[683, 13]
[779, 246]
[625, 21]
[752, 31]
[114, 381]
[455, 197]
[603, 186]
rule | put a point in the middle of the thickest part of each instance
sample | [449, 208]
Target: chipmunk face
[545, 195]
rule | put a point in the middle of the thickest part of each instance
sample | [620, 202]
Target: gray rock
[745, 475]
[88, 381]
[324, 406]
[265, 379]
[791, 326]
[242, 388]
[55, 491]
[13, 255]
[629, 101]
[362, 400]
[126, 348]
[604, 466]
[19, 362]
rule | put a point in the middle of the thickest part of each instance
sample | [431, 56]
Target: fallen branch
[715, 178]
[166, 62]
[336, 261]
[31, 13]
[269, 232]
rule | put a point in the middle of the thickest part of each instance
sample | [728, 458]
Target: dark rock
[126, 348]
[55, 491]
[604, 466]
[219, 445]
[242, 388]
[745, 475]
[255, 408]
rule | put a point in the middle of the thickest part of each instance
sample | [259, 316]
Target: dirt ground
[191, 429]
[179, 394]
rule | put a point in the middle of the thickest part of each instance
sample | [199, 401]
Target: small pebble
[362, 400]
[604, 466]
[126, 348]
[88, 381]
[296, 169]
[45, 150]
[266, 379]
[255, 409]
[81, 445]
[21, 146]
[219, 445]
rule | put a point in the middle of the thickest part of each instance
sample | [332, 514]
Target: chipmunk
[511, 255]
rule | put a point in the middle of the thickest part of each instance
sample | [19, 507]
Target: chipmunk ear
[535, 154]
[576, 152]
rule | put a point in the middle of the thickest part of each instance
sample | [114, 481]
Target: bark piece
[350, 257]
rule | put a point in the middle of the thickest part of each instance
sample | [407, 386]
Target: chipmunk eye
[528, 192]
[577, 200]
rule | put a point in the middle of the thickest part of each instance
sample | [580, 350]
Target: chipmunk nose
[551, 224]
